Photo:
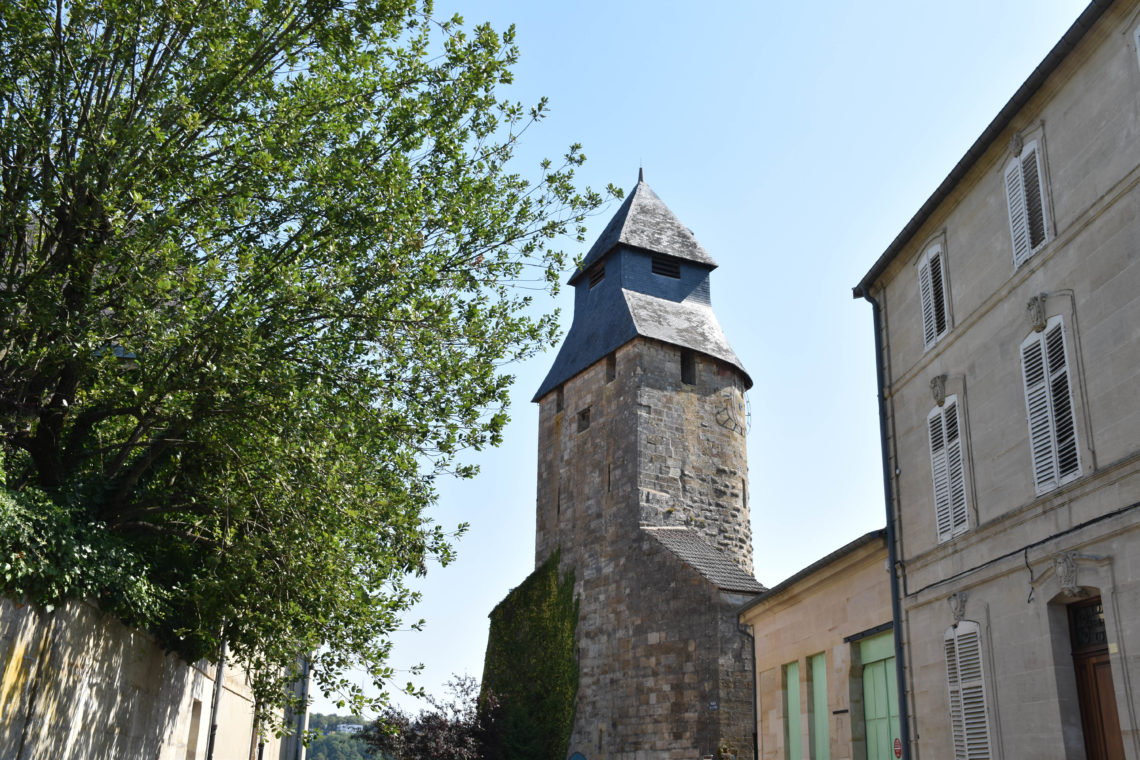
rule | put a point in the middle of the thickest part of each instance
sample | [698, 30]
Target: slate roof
[689, 323]
[713, 564]
[631, 301]
[644, 221]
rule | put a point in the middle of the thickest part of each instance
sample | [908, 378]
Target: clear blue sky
[795, 140]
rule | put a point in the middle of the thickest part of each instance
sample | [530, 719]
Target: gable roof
[713, 564]
[1027, 90]
[644, 221]
[874, 536]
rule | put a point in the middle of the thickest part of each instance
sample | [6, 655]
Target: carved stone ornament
[1036, 309]
[938, 389]
[1065, 566]
[957, 602]
[1016, 144]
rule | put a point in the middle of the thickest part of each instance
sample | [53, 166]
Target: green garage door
[880, 695]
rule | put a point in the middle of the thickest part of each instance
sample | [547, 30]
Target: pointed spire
[640, 174]
[645, 222]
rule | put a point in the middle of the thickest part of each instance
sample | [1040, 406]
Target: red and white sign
[898, 748]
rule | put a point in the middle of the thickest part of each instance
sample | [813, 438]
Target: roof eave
[1036, 80]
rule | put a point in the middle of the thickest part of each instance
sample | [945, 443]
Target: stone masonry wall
[663, 671]
[692, 461]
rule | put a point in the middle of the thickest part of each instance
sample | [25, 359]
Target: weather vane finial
[641, 174]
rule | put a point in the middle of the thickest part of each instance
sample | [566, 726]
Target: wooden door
[1099, 719]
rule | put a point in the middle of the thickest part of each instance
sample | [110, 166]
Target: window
[969, 725]
[820, 747]
[688, 367]
[584, 420]
[597, 274]
[1025, 195]
[559, 400]
[793, 741]
[932, 289]
[666, 267]
[611, 368]
[946, 469]
[1049, 408]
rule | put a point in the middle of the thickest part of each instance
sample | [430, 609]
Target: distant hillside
[336, 746]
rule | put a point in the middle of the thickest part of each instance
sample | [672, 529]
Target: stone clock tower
[643, 483]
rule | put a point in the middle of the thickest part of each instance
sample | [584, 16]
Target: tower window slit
[688, 367]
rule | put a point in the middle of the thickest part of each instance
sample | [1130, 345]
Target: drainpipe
[892, 554]
[755, 687]
[219, 678]
[303, 714]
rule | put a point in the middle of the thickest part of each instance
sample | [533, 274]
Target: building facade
[642, 483]
[1007, 318]
[77, 684]
[825, 658]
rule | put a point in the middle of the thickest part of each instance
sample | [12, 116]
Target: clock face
[730, 412]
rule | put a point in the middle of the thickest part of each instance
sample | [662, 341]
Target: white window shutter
[1061, 400]
[1025, 194]
[1015, 197]
[938, 474]
[1034, 199]
[1040, 418]
[966, 680]
[955, 473]
[925, 291]
[1049, 408]
[932, 293]
[947, 471]
[957, 719]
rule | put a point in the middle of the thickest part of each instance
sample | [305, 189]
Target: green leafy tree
[258, 280]
[337, 746]
[448, 729]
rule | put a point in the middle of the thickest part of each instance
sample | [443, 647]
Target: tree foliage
[449, 729]
[258, 278]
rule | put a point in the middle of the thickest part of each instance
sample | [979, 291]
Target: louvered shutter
[1040, 419]
[947, 472]
[957, 719]
[955, 474]
[939, 476]
[932, 293]
[1034, 202]
[938, 291]
[1049, 408]
[1015, 197]
[964, 674]
[1025, 194]
[925, 291]
[1061, 398]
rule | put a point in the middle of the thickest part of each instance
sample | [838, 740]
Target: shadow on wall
[75, 683]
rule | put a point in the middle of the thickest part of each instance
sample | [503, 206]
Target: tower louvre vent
[597, 274]
[667, 267]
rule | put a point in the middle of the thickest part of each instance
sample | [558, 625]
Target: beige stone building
[825, 658]
[79, 685]
[642, 482]
[1007, 317]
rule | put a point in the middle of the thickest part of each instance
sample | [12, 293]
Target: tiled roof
[644, 221]
[713, 564]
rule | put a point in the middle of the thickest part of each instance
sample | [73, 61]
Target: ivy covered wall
[530, 673]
